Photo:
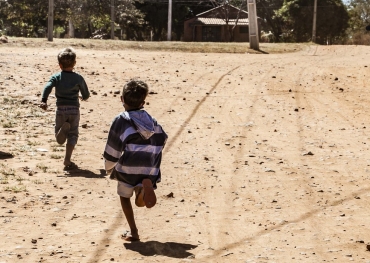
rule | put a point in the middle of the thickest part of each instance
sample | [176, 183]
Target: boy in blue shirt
[133, 153]
[68, 85]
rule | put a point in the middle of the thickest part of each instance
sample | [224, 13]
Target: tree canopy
[332, 20]
[359, 12]
[267, 10]
[286, 20]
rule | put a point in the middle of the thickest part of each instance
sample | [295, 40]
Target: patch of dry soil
[267, 158]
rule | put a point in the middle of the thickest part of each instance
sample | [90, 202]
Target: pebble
[41, 150]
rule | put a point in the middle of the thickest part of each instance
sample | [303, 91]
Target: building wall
[196, 35]
[240, 36]
[188, 30]
[194, 32]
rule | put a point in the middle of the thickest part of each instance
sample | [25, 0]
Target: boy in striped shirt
[133, 153]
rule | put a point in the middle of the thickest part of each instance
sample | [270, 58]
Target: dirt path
[267, 159]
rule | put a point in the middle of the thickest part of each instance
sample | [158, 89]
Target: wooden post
[51, 20]
[314, 22]
[112, 19]
[253, 25]
[169, 25]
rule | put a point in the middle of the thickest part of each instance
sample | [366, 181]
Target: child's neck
[131, 108]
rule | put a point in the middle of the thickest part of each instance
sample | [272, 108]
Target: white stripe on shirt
[130, 130]
[112, 152]
[137, 170]
[144, 148]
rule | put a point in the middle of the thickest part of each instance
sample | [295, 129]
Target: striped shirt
[134, 147]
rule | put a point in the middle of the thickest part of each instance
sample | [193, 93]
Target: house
[216, 25]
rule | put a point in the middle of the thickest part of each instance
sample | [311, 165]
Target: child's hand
[43, 106]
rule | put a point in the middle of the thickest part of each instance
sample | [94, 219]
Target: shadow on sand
[78, 172]
[263, 52]
[168, 249]
[4, 155]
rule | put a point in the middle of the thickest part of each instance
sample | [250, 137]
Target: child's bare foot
[131, 236]
[149, 196]
[68, 165]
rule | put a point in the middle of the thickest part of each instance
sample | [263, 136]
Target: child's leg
[129, 214]
[73, 114]
[61, 128]
[61, 135]
[69, 151]
[125, 192]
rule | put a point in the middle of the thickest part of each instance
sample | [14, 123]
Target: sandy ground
[267, 158]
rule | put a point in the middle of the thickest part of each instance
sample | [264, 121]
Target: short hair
[134, 93]
[67, 57]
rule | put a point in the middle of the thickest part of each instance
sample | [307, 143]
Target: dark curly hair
[67, 57]
[134, 93]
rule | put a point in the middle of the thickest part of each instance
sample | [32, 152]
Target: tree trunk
[71, 29]
[90, 28]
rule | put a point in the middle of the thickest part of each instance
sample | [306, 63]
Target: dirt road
[267, 158]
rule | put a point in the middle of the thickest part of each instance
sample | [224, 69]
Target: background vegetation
[338, 22]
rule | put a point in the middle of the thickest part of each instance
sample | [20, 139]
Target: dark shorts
[70, 114]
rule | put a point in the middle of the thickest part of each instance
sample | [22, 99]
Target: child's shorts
[70, 114]
[126, 190]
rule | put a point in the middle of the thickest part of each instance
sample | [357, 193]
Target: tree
[156, 16]
[227, 10]
[23, 18]
[27, 18]
[4, 6]
[331, 24]
[130, 19]
[359, 12]
[86, 15]
[89, 16]
[267, 11]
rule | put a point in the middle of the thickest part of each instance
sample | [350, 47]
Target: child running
[133, 153]
[68, 85]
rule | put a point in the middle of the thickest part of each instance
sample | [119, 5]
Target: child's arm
[114, 146]
[84, 91]
[45, 93]
[43, 105]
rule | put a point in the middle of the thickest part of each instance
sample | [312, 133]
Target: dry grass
[197, 47]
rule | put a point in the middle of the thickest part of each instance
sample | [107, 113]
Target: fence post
[51, 20]
[253, 25]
